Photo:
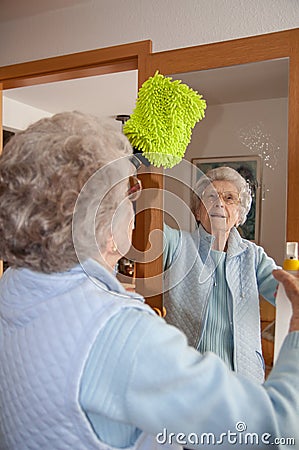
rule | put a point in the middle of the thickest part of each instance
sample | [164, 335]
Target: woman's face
[124, 217]
[122, 226]
[219, 207]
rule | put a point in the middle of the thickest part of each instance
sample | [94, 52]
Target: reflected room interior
[246, 118]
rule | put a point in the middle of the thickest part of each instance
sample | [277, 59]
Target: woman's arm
[291, 286]
[266, 282]
[153, 381]
[170, 244]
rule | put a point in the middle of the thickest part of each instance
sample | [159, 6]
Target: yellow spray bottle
[283, 305]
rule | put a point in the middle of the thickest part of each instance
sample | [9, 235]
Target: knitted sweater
[217, 334]
[190, 278]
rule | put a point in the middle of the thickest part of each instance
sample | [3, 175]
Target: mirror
[203, 57]
[235, 53]
[246, 117]
[246, 127]
[138, 56]
[243, 135]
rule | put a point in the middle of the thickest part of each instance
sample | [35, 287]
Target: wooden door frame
[107, 60]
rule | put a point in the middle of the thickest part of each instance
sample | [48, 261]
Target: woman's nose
[219, 201]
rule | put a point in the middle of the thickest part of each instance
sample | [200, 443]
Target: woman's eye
[212, 196]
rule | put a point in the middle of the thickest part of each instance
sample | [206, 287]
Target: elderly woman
[216, 301]
[85, 364]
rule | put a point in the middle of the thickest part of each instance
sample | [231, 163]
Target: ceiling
[110, 95]
[18, 9]
[103, 96]
[246, 82]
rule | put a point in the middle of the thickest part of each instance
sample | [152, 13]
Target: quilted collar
[24, 287]
[236, 245]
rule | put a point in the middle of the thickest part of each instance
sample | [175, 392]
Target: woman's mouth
[220, 216]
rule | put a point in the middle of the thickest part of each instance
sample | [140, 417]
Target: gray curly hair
[224, 174]
[42, 171]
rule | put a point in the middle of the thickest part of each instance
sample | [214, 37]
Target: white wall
[17, 115]
[222, 133]
[91, 24]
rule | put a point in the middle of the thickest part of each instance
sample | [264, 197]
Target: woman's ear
[238, 221]
[111, 247]
[197, 215]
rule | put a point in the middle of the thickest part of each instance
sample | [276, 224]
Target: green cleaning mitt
[161, 124]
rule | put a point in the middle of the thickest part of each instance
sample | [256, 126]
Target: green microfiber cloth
[161, 124]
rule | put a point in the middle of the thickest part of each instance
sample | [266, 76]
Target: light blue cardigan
[189, 281]
[139, 374]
